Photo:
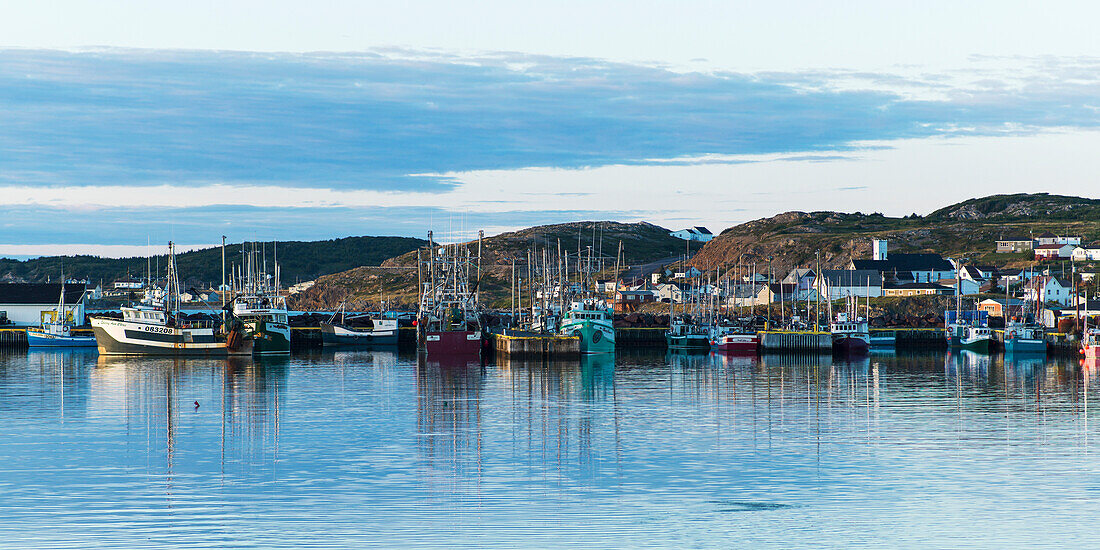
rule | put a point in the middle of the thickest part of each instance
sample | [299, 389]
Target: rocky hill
[968, 229]
[1020, 207]
[790, 239]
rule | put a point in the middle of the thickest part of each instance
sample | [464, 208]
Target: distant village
[1053, 289]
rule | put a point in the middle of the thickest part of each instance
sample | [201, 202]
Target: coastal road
[640, 271]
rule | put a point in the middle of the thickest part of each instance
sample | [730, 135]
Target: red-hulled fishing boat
[448, 322]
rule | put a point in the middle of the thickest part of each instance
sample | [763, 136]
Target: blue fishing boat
[57, 335]
[56, 330]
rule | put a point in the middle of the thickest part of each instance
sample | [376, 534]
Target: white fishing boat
[155, 327]
[850, 334]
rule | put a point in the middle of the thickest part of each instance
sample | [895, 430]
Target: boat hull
[1091, 352]
[978, 344]
[689, 341]
[737, 343]
[464, 343]
[1025, 345]
[338, 335]
[127, 338]
[270, 338]
[40, 339]
[594, 337]
[850, 344]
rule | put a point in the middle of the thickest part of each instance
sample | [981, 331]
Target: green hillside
[298, 260]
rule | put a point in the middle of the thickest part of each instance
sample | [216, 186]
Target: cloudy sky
[128, 122]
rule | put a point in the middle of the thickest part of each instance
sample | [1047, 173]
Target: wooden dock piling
[13, 338]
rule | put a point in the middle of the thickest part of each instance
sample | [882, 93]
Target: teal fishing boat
[592, 321]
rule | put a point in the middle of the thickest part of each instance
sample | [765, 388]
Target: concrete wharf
[772, 341]
[534, 346]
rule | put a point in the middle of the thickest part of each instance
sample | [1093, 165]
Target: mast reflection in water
[371, 448]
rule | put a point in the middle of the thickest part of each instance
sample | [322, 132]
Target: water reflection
[449, 421]
[359, 448]
[163, 401]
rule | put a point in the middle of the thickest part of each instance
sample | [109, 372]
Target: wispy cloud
[344, 133]
[369, 120]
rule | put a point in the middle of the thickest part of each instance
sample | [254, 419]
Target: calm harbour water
[354, 449]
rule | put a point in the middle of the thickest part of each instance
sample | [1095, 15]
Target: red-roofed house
[1053, 251]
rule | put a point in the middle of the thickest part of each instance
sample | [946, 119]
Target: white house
[1082, 254]
[834, 284]
[977, 273]
[743, 294]
[697, 233]
[905, 268]
[1053, 251]
[26, 302]
[129, 283]
[1049, 238]
[670, 292]
[1049, 289]
[688, 273]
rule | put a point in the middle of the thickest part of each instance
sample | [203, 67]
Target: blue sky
[158, 138]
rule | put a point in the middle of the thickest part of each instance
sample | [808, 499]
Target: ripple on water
[351, 449]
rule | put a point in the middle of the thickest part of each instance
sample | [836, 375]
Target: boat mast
[615, 279]
[60, 317]
[221, 289]
[172, 301]
[477, 288]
